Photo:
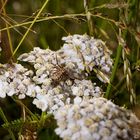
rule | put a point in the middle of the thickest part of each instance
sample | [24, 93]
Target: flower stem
[30, 27]
[6, 121]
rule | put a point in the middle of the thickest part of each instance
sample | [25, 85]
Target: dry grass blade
[127, 72]
[8, 31]
[32, 23]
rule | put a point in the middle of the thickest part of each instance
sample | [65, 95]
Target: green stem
[30, 27]
[118, 86]
[119, 51]
[27, 110]
[43, 118]
[6, 121]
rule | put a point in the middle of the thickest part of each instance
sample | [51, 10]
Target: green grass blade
[6, 121]
[30, 27]
[119, 51]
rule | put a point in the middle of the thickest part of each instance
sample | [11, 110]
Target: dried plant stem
[131, 21]
[8, 19]
[127, 72]
[8, 31]
[32, 23]
[66, 16]
[27, 110]
[3, 5]
[88, 15]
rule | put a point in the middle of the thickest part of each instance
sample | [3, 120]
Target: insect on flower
[58, 73]
[61, 73]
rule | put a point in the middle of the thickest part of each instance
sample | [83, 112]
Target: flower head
[87, 53]
[97, 119]
[16, 80]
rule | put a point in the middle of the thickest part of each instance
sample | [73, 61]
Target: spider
[58, 73]
[61, 73]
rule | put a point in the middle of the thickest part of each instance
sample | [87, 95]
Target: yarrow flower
[79, 53]
[59, 78]
[65, 93]
[85, 88]
[47, 63]
[49, 92]
[87, 53]
[58, 84]
[15, 80]
[94, 119]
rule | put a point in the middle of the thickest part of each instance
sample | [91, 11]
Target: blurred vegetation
[112, 20]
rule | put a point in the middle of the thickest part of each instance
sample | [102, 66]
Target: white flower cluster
[43, 62]
[57, 92]
[85, 88]
[58, 84]
[66, 93]
[60, 79]
[15, 80]
[46, 61]
[79, 54]
[94, 119]
[87, 53]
